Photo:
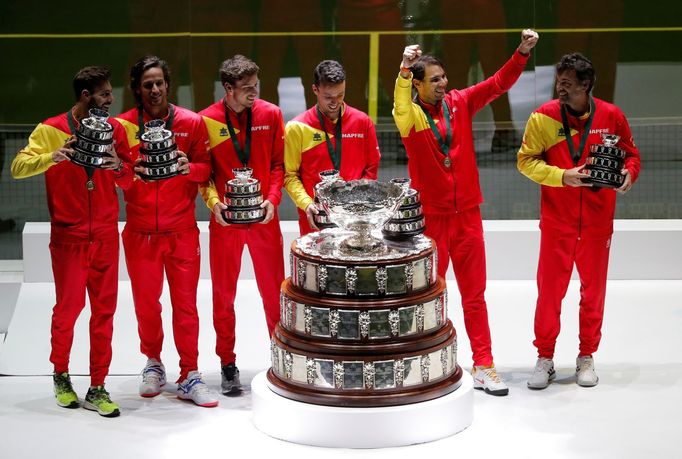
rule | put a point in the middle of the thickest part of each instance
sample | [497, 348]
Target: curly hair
[584, 70]
[236, 68]
[89, 78]
[328, 72]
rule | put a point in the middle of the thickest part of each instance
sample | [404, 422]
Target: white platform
[383, 427]
[632, 413]
[641, 249]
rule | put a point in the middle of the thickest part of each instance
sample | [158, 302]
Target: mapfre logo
[353, 135]
[264, 127]
[181, 134]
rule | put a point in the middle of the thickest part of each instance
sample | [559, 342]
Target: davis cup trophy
[158, 152]
[364, 354]
[243, 198]
[94, 139]
[605, 162]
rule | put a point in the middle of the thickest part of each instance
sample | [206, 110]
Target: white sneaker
[194, 389]
[542, 375]
[153, 378]
[486, 379]
[584, 371]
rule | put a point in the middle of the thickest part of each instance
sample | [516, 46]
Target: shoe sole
[587, 385]
[205, 405]
[91, 407]
[232, 391]
[152, 394]
[70, 406]
[497, 393]
[552, 377]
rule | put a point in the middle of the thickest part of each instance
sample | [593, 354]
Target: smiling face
[330, 98]
[433, 87]
[153, 90]
[101, 97]
[243, 93]
[571, 91]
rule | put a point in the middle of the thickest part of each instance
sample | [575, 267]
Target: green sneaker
[97, 399]
[63, 391]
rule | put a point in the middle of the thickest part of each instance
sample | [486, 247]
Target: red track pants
[557, 255]
[147, 257]
[459, 237]
[265, 247]
[79, 267]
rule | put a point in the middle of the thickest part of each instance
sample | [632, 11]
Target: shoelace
[152, 373]
[492, 374]
[197, 385]
[63, 383]
[99, 395]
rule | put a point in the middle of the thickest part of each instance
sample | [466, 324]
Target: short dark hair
[141, 66]
[419, 67]
[90, 78]
[584, 70]
[328, 72]
[236, 68]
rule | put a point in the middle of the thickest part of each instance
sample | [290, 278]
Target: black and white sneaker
[230, 379]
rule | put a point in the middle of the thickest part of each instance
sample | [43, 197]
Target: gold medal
[447, 162]
[90, 185]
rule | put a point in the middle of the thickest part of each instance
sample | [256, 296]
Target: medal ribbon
[244, 154]
[334, 152]
[575, 155]
[444, 146]
[90, 185]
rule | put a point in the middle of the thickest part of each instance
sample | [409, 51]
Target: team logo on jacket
[561, 132]
[317, 137]
[223, 132]
[353, 135]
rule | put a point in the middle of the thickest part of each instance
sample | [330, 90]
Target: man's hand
[269, 211]
[64, 153]
[218, 213]
[183, 163]
[573, 177]
[112, 162]
[310, 212]
[627, 183]
[410, 56]
[529, 39]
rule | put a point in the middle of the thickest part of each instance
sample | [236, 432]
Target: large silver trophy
[361, 207]
[363, 319]
[605, 162]
[158, 152]
[94, 139]
[243, 198]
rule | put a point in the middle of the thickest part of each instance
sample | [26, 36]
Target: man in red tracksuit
[161, 233]
[436, 131]
[311, 142]
[83, 207]
[243, 131]
[576, 219]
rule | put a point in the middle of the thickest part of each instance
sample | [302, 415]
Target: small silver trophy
[408, 221]
[94, 139]
[158, 152]
[605, 162]
[243, 198]
[322, 220]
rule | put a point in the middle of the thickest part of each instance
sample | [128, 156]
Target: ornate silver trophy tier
[605, 163]
[243, 198]
[94, 139]
[363, 320]
[361, 207]
[408, 221]
[158, 152]
[321, 219]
